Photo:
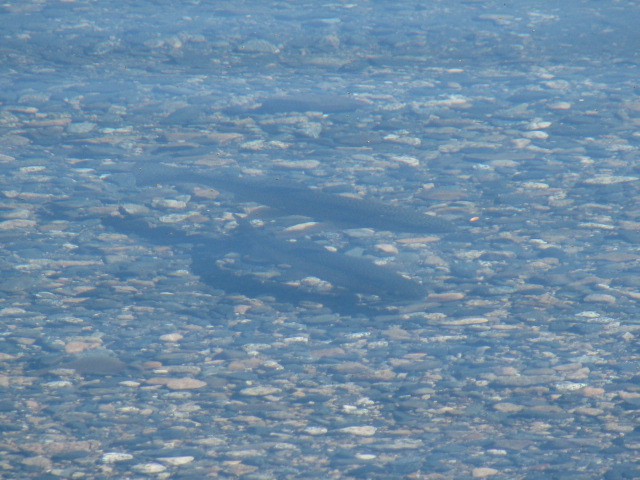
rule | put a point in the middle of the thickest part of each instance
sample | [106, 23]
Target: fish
[350, 276]
[294, 199]
[211, 274]
[344, 271]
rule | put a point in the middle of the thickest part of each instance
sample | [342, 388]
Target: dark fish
[348, 212]
[349, 275]
[210, 273]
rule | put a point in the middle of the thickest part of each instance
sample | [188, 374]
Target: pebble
[447, 297]
[600, 298]
[569, 386]
[113, 457]
[130, 384]
[406, 159]
[298, 164]
[149, 467]
[258, 46]
[171, 203]
[589, 411]
[177, 461]
[81, 127]
[482, 472]
[507, 407]
[366, 456]
[38, 461]
[58, 384]
[592, 391]
[175, 217]
[12, 311]
[387, 248]
[171, 337]
[178, 383]
[538, 125]
[17, 224]
[259, 391]
[610, 179]
[361, 431]
[464, 321]
[536, 135]
[301, 227]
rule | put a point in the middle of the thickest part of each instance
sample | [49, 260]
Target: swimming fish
[350, 276]
[348, 212]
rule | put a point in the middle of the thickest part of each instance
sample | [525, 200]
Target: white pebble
[112, 457]
[150, 467]
[364, 431]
